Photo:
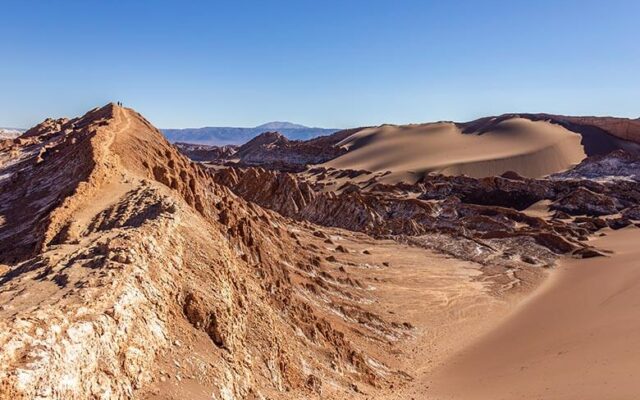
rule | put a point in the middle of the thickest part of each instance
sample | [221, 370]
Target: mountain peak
[278, 125]
[266, 138]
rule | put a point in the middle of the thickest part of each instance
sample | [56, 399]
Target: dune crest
[531, 149]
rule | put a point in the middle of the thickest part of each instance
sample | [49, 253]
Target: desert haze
[492, 259]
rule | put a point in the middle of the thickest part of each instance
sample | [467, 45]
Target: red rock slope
[123, 262]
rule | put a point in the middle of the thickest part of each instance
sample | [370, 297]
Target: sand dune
[530, 148]
[577, 338]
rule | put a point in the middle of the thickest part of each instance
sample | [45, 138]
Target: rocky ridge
[124, 264]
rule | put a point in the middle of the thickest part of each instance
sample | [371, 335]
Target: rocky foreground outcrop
[122, 260]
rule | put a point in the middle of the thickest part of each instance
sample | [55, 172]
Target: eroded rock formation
[123, 260]
[478, 219]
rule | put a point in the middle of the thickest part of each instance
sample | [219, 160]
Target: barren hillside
[127, 271]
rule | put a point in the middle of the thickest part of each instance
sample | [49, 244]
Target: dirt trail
[112, 191]
[108, 191]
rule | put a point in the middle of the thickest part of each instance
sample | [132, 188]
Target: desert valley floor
[494, 259]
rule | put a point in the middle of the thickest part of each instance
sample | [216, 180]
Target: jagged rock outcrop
[507, 191]
[482, 211]
[203, 152]
[283, 192]
[584, 201]
[632, 213]
[272, 149]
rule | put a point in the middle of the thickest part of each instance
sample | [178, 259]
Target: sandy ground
[530, 148]
[539, 209]
[449, 303]
[576, 337]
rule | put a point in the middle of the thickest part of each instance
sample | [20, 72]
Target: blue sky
[322, 63]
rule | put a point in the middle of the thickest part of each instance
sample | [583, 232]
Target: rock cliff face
[584, 201]
[623, 128]
[281, 192]
[122, 260]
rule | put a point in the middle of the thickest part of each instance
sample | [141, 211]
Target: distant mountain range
[221, 135]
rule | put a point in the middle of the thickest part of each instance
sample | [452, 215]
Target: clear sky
[322, 63]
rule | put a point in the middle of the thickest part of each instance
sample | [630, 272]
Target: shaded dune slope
[529, 148]
[600, 135]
